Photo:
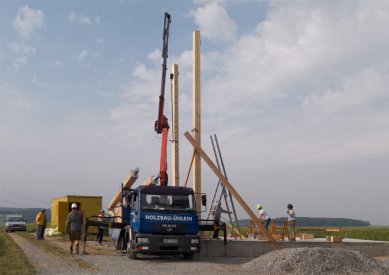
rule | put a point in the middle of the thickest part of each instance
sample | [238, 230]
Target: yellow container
[61, 206]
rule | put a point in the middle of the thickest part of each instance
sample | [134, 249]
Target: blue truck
[159, 220]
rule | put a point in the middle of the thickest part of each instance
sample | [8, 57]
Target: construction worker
[263, 217]
[291, 221]
[217, 211]
[41, 222]
[73, 226]
[100, 229]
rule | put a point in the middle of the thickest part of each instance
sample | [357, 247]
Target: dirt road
[105, 260]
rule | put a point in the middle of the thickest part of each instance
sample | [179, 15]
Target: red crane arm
[161, 125]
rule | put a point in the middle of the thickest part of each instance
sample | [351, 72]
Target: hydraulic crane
[161, 125]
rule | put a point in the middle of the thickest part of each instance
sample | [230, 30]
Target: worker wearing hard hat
[73, 226]
[100, 229]
[263, 216]
[291, 222]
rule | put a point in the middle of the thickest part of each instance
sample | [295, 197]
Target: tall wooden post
[175, 130]
[197, 119]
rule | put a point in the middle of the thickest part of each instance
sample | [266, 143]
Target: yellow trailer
[61, 206]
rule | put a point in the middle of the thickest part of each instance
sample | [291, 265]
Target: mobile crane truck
[159, 219]
[162, 220]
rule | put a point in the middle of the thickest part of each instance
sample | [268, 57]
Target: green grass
[374, 233]
[12, 258]
[56, 251]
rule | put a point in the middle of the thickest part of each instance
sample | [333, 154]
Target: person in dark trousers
[217, 211]
[73, 227]
[41, 222]
[44, 225]
[100, 229]
[263, 216]
[291, 221]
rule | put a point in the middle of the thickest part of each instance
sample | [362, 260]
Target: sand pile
[315, 260]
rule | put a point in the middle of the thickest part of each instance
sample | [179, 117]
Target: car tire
[188, 256]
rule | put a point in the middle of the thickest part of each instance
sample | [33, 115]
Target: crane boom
[162, 120]
[161, 125]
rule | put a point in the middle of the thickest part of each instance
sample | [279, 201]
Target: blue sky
[297, 92]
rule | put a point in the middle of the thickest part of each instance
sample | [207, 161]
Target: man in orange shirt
[41, 222]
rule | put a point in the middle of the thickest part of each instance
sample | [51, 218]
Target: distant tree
[28, 213]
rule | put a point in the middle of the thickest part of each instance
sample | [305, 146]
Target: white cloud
[88, 54]
[22, 49]
[27, 21]
[57, 63]
[20, 61]
[23, 53]
[314, 72]
[75, 17]
[215, 23]
[356, 91]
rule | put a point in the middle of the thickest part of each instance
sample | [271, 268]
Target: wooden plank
[148, 181]
[197, 117]
[232, 190]
[190, 167]
[175, 129]
[333, 229]
[127, 183]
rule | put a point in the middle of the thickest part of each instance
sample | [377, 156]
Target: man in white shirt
[263, 217]
[291, 221]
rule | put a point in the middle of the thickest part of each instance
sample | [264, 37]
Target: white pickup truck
[15, 223]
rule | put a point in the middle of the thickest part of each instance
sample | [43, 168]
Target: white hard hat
[74, 205]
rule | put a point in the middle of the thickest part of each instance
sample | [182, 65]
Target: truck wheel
[131, 253]
[188, 256]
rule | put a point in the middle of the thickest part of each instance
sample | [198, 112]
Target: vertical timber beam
[175, 131]
[197, 119]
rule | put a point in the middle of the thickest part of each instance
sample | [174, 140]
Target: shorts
[75, 235]
[292, 226]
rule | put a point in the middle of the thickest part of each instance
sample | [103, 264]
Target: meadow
[374, 233]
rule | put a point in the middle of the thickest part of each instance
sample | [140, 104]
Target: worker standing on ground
[217, 211]
[41, 222]
[73, 226]
[291, 221]
[263, 217]
[100, 229]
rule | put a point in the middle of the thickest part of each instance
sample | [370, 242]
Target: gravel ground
[314, 261]
[110, 261]
[106, 260]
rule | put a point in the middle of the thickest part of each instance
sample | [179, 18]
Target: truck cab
[161, 220]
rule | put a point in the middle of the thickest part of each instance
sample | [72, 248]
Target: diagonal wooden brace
[230, 188]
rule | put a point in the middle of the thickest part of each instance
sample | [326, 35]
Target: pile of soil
[315, 260]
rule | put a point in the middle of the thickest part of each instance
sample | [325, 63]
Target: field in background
[374, 233]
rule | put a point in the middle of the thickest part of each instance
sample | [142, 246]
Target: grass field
[374, 233]
[12, 258]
